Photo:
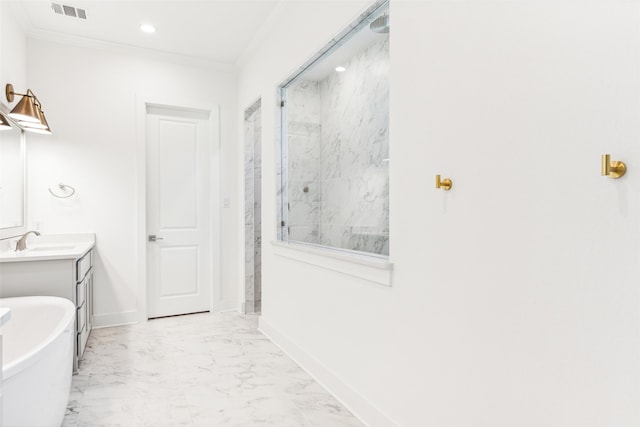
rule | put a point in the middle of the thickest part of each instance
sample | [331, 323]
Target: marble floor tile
[198, 370]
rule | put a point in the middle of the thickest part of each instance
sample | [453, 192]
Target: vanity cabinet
[70, 278]
[84, 301]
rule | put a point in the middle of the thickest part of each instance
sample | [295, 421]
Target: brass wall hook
[612, 168]
[445, 184]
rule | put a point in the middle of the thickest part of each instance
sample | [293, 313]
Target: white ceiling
[211, 30]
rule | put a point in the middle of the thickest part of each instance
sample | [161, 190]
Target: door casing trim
[143, 101]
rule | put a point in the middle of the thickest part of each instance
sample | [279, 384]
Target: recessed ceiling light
[146, 28]
[341, 69]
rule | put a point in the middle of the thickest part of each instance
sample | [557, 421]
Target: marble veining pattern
[197, 370]
[303, 129]
[338, 150]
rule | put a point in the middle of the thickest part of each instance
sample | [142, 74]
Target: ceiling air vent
[63, 9]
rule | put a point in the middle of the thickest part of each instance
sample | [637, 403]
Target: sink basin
[50, 248]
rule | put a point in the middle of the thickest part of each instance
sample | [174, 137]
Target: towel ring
[63, 187]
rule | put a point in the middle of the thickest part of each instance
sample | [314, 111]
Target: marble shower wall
[338, 151]
[252, 203]
[303, 185]
[354, 147]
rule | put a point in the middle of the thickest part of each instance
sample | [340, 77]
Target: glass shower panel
[336, 176]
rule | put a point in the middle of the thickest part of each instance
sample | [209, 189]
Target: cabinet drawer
[81, 318]
[89, 299]
[81, 291]
[83, 265]
[82, 342]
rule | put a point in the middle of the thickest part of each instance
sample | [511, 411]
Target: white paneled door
[178, 218]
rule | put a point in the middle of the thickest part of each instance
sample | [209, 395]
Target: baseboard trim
[364, 410]
[115, 319]
[223, 306]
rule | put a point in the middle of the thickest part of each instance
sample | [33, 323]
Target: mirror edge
[9, 232]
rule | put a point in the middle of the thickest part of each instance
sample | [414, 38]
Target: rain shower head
[380, 24]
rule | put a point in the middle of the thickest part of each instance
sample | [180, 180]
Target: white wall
[89, 96]
[515, 295]
[13, 52]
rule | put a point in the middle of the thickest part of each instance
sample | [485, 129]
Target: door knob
[153, 238]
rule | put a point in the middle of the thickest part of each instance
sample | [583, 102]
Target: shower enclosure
[335, 143]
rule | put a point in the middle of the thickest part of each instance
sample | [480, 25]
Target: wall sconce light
[28, 112]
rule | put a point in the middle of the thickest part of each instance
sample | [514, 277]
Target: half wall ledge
[373, 268]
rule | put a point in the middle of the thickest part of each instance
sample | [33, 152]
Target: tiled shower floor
[197, 370]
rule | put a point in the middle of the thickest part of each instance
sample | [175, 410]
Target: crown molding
[258, 37]
[124, 49]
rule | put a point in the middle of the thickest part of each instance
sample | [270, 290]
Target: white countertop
[51, 247]
[5, 314]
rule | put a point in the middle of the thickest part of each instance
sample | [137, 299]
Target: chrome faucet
[22, 243]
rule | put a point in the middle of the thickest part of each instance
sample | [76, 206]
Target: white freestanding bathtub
[37, 359]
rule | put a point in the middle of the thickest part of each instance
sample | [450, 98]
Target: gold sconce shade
[40, 127]
[41, 131]
[40, 124]
[25, 111]
[28, 112]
